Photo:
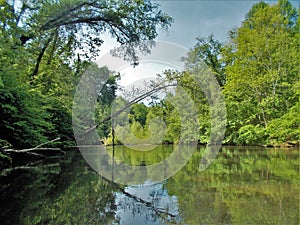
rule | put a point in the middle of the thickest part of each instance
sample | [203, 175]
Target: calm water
[242, 186]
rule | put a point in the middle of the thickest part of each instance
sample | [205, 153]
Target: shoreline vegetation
[26, 159]
[40, 68]
[283, 145]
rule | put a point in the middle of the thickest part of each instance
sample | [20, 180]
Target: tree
[208, 50]
[138, 113]
[263, 69]
[24, 119]
[47, 45]
[78, 25]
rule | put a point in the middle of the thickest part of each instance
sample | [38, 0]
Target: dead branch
[56, 139]
[37, 148]
[31, 149]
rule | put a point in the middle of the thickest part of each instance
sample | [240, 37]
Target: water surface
[242, 186]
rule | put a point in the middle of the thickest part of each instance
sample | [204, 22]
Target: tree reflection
[74, 196]
[242, 186]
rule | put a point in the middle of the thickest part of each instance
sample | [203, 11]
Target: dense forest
[258, 71]
[46, 46]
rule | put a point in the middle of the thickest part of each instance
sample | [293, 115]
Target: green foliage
[79, 23]
[24, 116]
[262, 74]
[251, 135]
[106, 97]
[207, 50]
[138, 113]
[258, 72]
[46, 46]
[285, 128]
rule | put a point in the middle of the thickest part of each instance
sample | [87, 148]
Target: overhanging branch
[135, 100]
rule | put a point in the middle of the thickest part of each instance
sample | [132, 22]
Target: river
[243, 185]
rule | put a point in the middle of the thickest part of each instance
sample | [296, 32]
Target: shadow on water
[242, 186]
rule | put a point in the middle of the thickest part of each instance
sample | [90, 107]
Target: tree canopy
[258, 72]
[45, 47]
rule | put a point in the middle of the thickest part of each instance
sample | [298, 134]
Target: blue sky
[202, 17]
[197, 18]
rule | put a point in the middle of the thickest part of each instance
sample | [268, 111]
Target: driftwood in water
[16, 159]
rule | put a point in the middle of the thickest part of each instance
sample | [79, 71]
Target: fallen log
[37, 148]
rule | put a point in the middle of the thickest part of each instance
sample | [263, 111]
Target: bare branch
[37, 148]
[56, 139]
[135, 100]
